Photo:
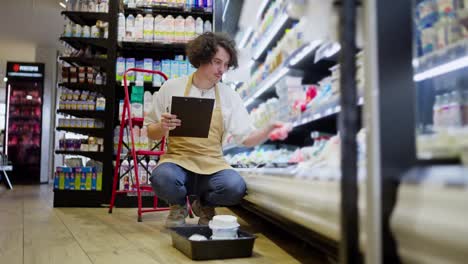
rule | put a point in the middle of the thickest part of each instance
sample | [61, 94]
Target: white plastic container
[207, 27]
[148, 28]
[189, 29]
[121, 27]
[147, 102]
[158, 28]
[130, 28]
[198, 27]
[139, 21]
[224, 227]
[179, 29]
[168, 29]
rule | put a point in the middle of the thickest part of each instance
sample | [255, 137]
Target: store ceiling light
[305, 52]
[442, 69]
[62, 5]
[267, 84]
[29, 97]
[5, 79]
[275, 28]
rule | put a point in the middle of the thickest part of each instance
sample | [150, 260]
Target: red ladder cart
[128, 122]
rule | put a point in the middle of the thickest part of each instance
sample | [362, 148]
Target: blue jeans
[173, 183]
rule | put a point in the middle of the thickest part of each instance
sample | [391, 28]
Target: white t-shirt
[236, 119]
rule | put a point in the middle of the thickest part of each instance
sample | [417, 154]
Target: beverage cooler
[23, 121]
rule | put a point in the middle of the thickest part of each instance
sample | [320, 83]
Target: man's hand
[169, 122]
[279, 131]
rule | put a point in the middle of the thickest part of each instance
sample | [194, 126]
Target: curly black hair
[202, 49]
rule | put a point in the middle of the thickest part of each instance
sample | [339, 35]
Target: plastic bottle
[179, 29]
[139, 21]
[121, 106]
[207, 27]
[158, 28]
[116, 138]
[143, 175]
[169, 29]
[189, 29]
[130, 28]
[148, 28]
[198, 27]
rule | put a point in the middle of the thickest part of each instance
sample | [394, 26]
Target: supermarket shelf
[301, 59]
[331, 109]
[440, 62]
[86, 86]
[272, 36]
[82, 61]
[130, 46]
[174, 11]
[82, 113]
[98, 132]
[267, 85]
[90, 154]
[25, 118]
[85, 18]
[82, 43]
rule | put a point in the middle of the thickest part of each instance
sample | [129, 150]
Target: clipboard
[195, 115]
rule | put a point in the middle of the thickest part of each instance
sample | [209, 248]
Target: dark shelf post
[348, 126]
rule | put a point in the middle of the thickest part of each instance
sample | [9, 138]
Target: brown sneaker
[205, 213]
[176, 216]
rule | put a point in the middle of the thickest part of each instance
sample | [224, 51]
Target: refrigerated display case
[24, 120]
[440, 60]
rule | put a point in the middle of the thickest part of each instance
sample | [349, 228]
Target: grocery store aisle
[31, 231]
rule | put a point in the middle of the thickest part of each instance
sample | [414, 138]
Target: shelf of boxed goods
[133, 46]
[83, 113]
[100, 88]
[174, 11]
[97, 132]
[94, 155]
[86, 61]
[82, 43]
[86, 18]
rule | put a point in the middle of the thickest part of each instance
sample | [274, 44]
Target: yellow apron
[199, 155]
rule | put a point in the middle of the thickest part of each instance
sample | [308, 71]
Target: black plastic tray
[211, 249]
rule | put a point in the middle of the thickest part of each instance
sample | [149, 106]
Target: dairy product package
[175, 69]
[157, 79]
[148, 65]
[179, 29]
[207, 27]
[166, 68]
[130, 28]
[148, 28]
[120, 68]
[158, 28]
[139, 27]
[198, 27]
[121, 28]
[139, 75]
[189, 29]
[130, 63]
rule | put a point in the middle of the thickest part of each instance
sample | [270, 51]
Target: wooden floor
[31, 231]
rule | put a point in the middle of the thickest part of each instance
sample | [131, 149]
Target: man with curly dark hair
[196, 166]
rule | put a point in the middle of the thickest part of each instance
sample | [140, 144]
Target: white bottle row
[161, 29]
